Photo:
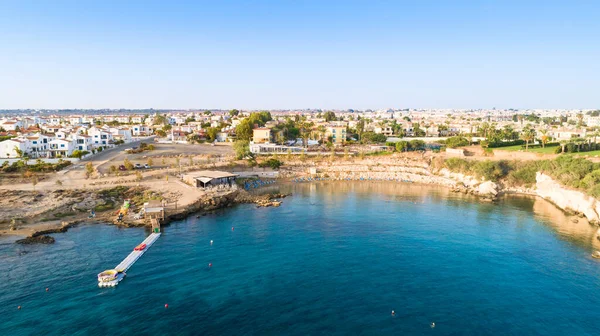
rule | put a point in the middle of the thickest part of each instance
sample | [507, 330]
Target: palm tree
[322, 131]
[563, 143]
[544, 138]
[305, 130]
[527, 135]
[507, 133]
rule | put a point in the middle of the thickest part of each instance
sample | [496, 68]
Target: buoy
[19, 307]
[209, 264]
[166, 305]
[393, 313]
[232, 228]
[211, 242]
[433, 324]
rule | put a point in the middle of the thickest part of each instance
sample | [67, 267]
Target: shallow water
[334, 259]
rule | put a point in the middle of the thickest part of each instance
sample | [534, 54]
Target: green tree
[234, 112]
[160, 119]
[527, 135]
[243, 130]
[89, 169]
[18, 151]
[211, 133]
[329, 116]
[360, 128]
[544, 138]
[241, 148]
[79, 153]
[402, 146]
[128, 165]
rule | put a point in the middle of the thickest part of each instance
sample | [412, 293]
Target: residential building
[337, 134]
[9, 148]
[61, 148]
[261, 135]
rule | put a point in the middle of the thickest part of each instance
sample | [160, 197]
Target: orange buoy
[47, 289]
[19, 307]
[166, 305]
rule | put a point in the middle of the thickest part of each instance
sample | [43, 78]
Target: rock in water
[42, 239]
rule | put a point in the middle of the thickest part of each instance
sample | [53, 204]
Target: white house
[75, 120]
[11, 125]
[38, 145]
[8, 148]
[140, 130]
[82, 142]
[100, 137]
[121, 133]
[123, 119]
[61, 148]
[137, 119]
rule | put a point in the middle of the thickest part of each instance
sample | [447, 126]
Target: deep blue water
[334, 259]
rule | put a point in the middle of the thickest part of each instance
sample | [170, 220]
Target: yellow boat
[108, 275]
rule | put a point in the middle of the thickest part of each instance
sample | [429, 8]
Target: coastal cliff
[567, 199]
[421, 170]
[416, 170]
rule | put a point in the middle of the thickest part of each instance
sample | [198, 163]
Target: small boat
[596, 254]
[110, 278]
[108, 275]
[140, 247]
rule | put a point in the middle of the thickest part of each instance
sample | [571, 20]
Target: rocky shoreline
[202, 206]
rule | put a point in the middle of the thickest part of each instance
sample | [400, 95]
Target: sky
[299, 54]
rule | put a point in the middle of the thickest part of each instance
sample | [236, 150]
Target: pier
[111, 278]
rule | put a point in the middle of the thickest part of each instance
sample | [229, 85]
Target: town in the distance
[41, 134]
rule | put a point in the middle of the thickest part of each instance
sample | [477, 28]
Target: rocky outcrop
[567, 199]
[487, 188]
[40, 239]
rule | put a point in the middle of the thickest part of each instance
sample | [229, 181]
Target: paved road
[100, 159]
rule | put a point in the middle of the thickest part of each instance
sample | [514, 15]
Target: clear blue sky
[299, 54]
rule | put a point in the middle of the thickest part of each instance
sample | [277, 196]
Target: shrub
[273, 163]
[456, 141]
[496, 144]
[401, 146]
[79, 154]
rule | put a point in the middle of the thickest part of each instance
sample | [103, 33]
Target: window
[62, 145]
[35, 142]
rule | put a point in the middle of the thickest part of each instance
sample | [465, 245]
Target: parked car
[138, 166]
[147, 166]
[122, 167]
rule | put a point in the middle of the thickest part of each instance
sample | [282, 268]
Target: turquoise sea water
[334, 259]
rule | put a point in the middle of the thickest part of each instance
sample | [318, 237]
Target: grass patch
[590, 153]
[63, 214]
[517, 148]
[109, 205]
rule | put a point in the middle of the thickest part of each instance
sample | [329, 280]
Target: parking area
[165, 155]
